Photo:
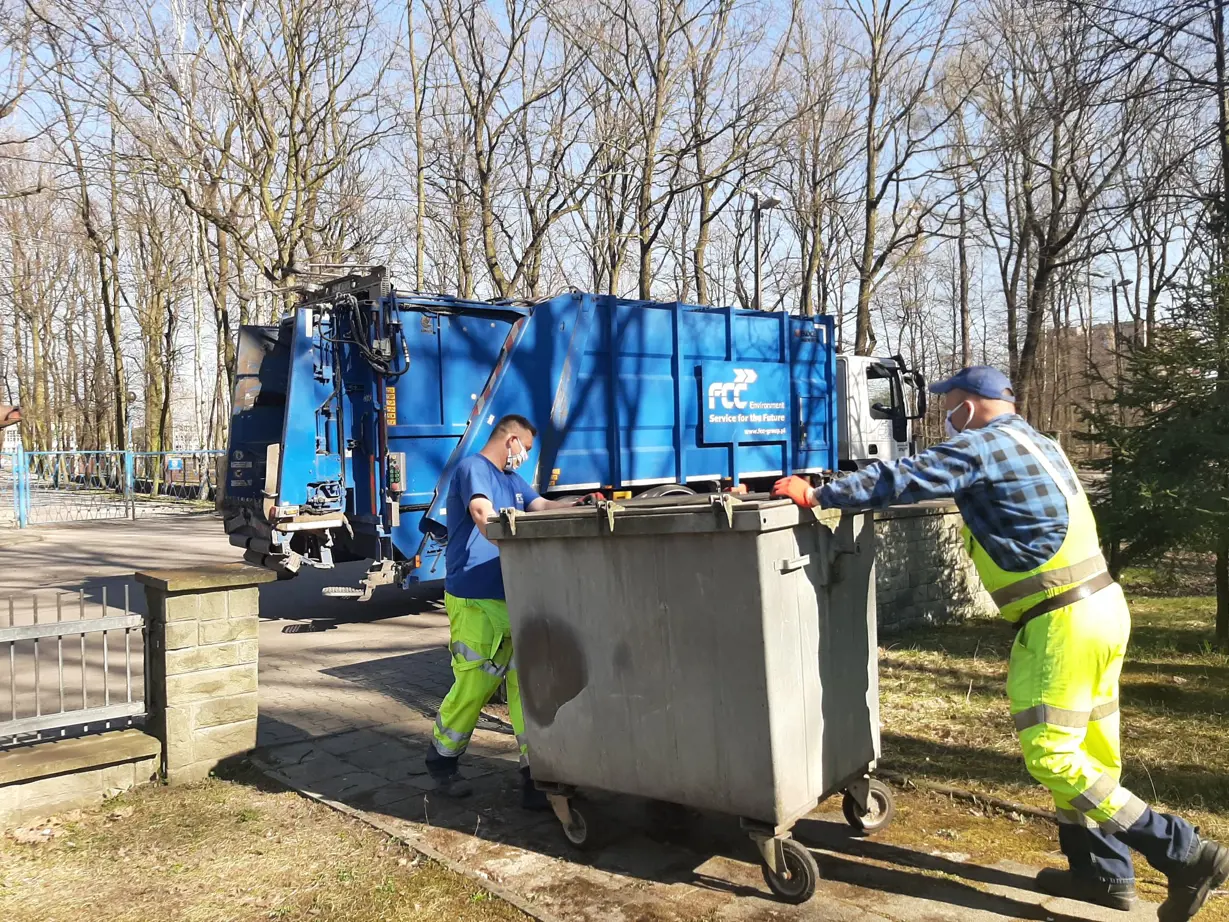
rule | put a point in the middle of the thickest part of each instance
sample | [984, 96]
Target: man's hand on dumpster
[796, 489]
[591, 499]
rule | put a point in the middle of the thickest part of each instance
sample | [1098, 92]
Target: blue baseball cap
[978, 379]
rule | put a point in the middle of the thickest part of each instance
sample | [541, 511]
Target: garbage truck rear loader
[350, 414]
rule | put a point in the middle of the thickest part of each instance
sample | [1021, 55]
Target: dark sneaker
[1190, 887]
[453, 786]
[531, 797]
[1086, 889]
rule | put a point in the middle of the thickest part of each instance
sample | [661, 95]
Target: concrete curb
[410, 841]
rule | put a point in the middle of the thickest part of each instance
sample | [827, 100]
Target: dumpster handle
[509, 519]
[785, 566]
[726, 503]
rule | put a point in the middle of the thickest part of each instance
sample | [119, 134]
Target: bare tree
[900, 53]
[1065, 109]
[816, 153]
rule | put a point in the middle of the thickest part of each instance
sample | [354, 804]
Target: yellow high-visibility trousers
[1062, 683]
[480, 639]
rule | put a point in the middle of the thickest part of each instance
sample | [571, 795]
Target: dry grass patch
[226, 850]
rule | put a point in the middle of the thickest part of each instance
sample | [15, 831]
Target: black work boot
[531, 797]
[1086, 889]
[451, 785]
[1189, 888]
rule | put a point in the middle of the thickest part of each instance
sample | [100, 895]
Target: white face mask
[948, 426]
[516, 458]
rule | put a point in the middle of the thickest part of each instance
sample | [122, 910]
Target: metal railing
[40, 487]
[8, 493]
[71, 675]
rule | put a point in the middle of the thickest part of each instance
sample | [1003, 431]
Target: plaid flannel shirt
[1010, 504]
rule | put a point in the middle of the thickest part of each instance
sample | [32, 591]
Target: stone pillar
[202, 664]
[923, 573]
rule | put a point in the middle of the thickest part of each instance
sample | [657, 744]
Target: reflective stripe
[459, 738]
[1102, 711]
[1049, 714]
[1074, 818]
[1050, 579]
[444, 750]
[466, 652]
[1095, 795]
[470, 655]
[1125, 816]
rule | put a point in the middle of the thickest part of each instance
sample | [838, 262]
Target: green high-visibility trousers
[480, 639]
[1062, 683]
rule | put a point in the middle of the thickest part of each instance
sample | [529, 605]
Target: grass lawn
[945, 720]
[226, 850]
[243, 850]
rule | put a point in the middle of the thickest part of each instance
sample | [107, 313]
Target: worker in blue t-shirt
[479, 634]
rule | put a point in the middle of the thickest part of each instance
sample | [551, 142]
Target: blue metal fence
[41, 487]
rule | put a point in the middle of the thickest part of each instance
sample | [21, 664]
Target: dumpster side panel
[838, 580]
[790, 627]
[849, 654]
[729, 670]
[647, 675]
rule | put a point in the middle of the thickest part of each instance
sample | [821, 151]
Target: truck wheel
[666, 489]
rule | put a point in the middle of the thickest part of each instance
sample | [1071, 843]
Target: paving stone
[315, 767]
[343, 787]
[344, 743]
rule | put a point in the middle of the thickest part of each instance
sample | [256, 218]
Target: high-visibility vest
[1076, 560]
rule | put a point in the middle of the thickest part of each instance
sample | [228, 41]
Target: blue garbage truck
[350, 414]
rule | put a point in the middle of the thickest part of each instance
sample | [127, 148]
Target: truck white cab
[879, 399]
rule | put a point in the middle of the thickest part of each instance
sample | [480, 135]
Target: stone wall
[202, 632]
[56, 775]
[923, 575]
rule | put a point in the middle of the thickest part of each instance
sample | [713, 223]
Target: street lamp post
[132, 396]
[759, 203]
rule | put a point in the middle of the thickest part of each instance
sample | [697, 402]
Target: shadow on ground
[383, 772]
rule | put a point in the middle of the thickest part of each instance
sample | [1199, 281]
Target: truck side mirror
[919, 384]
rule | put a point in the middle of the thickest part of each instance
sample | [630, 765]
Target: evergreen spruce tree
[1167, 429]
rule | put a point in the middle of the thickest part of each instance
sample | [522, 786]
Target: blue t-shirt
[473, 561]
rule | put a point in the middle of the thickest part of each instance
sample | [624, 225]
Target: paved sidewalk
[348, 693]
[646, 864]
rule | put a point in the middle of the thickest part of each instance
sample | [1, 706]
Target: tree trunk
[1034, 324]
[1222, 588]
[420, 170]
[962, 250]
[699, 257]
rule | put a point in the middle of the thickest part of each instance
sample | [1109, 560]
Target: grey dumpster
[703, 651]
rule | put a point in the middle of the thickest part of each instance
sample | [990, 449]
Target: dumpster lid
[659, 515]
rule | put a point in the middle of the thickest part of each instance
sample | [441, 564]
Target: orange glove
[590, 499]
[795, 488]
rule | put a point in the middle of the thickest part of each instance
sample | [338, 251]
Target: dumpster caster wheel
[578, 830]
[880, 808]
[575, 826]
[795, 881]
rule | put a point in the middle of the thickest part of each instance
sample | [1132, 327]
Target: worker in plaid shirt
[1031, 534]
[1007, 499]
